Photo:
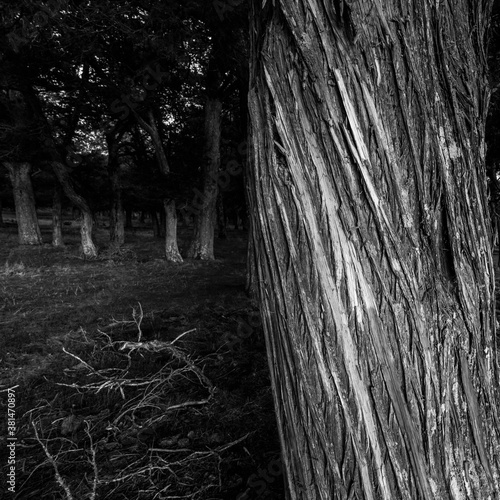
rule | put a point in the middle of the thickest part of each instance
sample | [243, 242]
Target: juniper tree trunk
[371, 238]
[171, 249]
[28, 229]
[57, 238]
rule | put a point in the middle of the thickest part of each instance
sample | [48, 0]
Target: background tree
[116, 216]
[372, 243]
[20, 135]
[24, 199]
[202, 245]
[100, 66]
[29, 55]
[57, 216]
[221, 82]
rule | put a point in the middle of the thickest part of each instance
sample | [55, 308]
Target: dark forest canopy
[92, 90]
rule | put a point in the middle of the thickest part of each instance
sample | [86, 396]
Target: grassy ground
[135, 378]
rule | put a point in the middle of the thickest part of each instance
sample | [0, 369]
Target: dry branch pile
[128, 434]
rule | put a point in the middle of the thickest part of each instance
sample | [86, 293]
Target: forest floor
[133, 377]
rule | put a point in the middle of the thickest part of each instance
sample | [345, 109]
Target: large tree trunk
[24, 199]
[57, 238]
[86, 222]
[374, 268]
[171, 249]
[202, 245]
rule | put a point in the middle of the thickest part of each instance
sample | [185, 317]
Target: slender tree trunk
[89, 250]
[116, 216]
[86, 222]
[24, 199]
[372, 237]
[171, 249]
[151, 128]
[202, 245]
[57, 237]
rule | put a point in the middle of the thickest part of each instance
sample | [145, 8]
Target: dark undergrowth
[134, 378]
